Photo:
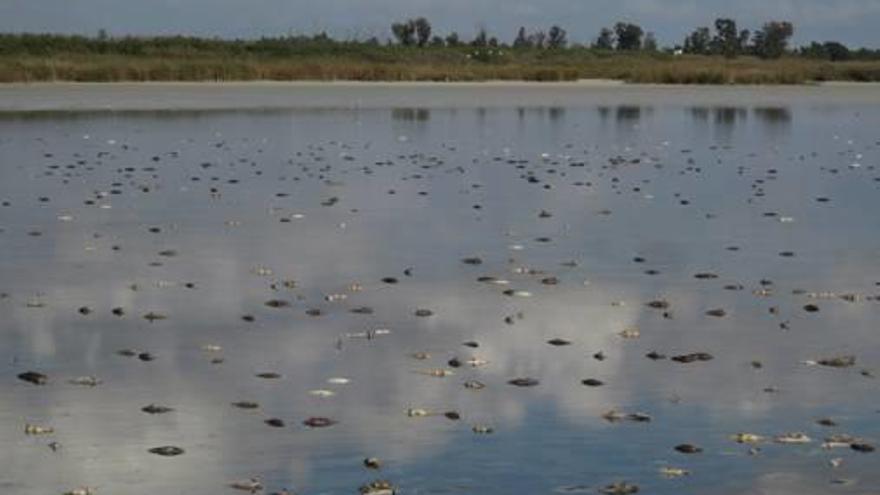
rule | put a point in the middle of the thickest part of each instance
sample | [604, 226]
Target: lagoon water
[349, 218]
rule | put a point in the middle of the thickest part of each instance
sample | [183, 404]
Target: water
[638, 197]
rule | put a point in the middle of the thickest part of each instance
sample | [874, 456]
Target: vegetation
[625, 52]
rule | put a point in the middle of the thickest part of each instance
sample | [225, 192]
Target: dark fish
[167, 451]
[34, 377]
[524, 382]
[154, 409]
[319, 422]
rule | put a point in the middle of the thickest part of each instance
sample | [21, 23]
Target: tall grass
[384, 63]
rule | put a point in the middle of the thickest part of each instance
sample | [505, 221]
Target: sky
[853, 22]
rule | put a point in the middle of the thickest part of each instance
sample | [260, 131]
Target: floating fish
[792, 438]
[88, 381]
[252, 485]
[167, 451]
[673, 472]
[30, 429]
[747, 438]
[437, 372]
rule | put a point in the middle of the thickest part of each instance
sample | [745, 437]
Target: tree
[726, 41]
[556, 38]
[830, 50]
[537, 39]
[481, 39]
[605, 41]
[404, 32]
[772, 40]
[423, 30]
[629, 36]
[698, 42]
[650, 43]
[836, 51]
[522, 39]
[436, 41]
[452, 39]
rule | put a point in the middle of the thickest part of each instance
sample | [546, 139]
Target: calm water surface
[205, 216]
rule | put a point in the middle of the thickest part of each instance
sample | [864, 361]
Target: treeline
[725, 39]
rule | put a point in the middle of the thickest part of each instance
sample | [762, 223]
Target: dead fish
[475, 362]
[262, 271]
[88, 381]
[156, 409]
[619, 488]
[246, 404]
[630, 333]
[319, 422]
[34, 377]
[673, 472]
[30, 429]
[524, 382]
[692, 357]
[322, 393]
[558, 342]
[269, 375]
[862, 447]
[792, 438]
[152, 316]
[747, 438]
[417, 413]
[423, 313]
[655, 356]
[839, 440]
[686, 448]
[472, 261]
[372, 463]
[592, 382]
[717, 313]
[338, 380]
[252, 485]
[517, 293]
[84, 490]
[474, 385]
[277, 303]
[838, 361]
[614, 416]
[166, 451]
[436, 372]
[482, 429]
[378, 487]
[275, 422]
[211, 348]
[658, 304]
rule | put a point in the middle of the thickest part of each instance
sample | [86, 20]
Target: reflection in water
[411, 114]
[205, 218]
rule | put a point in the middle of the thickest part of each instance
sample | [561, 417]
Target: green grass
[38, 59]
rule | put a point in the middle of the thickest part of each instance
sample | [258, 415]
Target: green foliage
[772, 40]
[629, 36]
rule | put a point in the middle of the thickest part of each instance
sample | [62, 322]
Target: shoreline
[362, 95]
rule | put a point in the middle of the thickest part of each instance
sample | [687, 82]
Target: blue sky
[854, 22]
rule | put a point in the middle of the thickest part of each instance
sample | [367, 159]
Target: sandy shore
[44, 97]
